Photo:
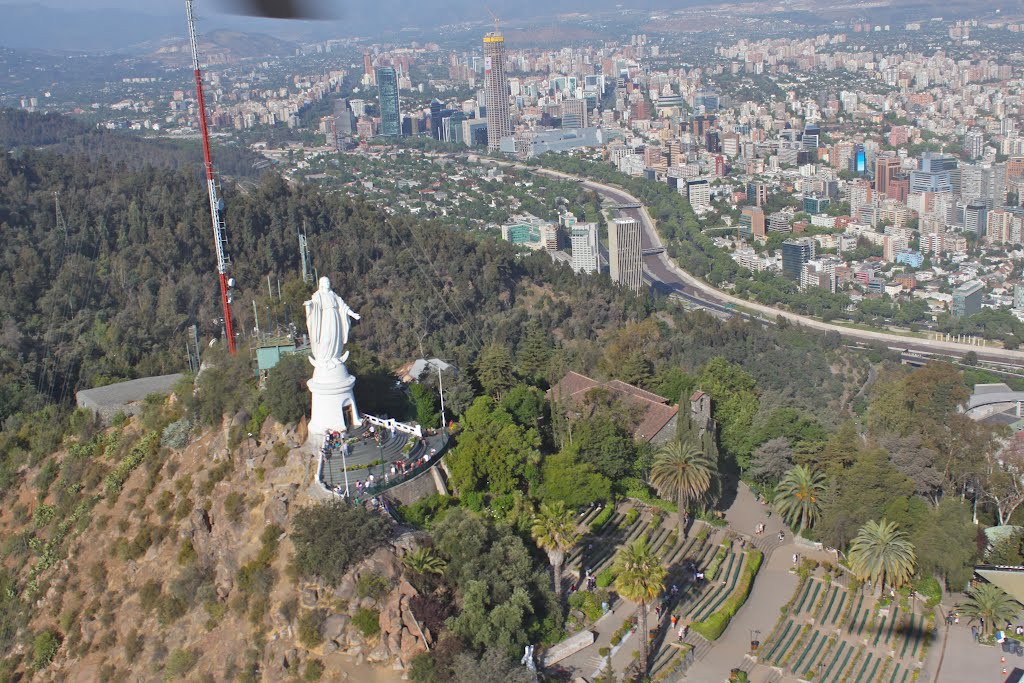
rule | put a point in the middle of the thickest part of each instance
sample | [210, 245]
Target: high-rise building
[368, 72]
[499, 120]
[974, 143]
[390, 110]
[757, 193]
[976, 219]
[967, 299]
[885, 169]
[811, 137]
[751, 222]
[344, 122]
[699, 193]
[998, 226]
[898, 188]
[983, 184]
[813, 204]
[935, 174]
[625, 254]
[795, 253]
[436, 107]
[583, 238]
[574, 113]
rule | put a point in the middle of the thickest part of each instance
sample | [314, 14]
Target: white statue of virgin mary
[327, 319]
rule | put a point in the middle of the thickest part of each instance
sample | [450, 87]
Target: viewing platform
[375, 461]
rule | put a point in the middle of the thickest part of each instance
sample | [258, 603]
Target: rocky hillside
[154, 550]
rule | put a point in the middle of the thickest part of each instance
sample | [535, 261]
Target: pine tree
[533, 354]
[636, 370]
[494, 370]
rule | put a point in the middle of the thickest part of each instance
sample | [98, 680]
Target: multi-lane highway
[667, 277]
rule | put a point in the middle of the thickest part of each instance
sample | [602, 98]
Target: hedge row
[715, 624]
[602, 517]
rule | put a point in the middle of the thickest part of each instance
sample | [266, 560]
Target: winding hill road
[667, 276]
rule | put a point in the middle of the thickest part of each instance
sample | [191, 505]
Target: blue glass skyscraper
[390, 112]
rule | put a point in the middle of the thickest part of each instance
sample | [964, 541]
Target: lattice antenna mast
[219, 236]
[62, 226]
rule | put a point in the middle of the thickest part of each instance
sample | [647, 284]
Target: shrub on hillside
[367, 621]
[332, 536]
[179, 663]
[44, 648]
[309, 629]
[423, 513]
[175, 435]
[313, 671]
[372, 585]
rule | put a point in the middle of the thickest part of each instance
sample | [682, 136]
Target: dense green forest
[65, 135]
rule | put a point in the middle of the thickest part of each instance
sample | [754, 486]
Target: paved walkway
[773, 587]
[746, 513]
[965, 660]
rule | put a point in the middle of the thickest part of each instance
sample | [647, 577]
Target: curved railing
[428, 461]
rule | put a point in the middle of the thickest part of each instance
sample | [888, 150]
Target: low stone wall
[420, 486]
[569, 646]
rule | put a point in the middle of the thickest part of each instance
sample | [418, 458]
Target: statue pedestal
[333, 400]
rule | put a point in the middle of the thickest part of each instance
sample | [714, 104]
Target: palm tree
[683, 473]
[798, 496]
[990, 603]
[638, 578]
[881, 552]
[424, 561]
[554, 531]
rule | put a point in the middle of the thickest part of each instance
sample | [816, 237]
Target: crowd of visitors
[382, 474]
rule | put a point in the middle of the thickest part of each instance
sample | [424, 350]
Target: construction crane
[497, 21]
[216, 204]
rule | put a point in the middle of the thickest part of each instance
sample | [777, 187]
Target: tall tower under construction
[499, 121]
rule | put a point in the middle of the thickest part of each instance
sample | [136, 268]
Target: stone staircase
[768, 543]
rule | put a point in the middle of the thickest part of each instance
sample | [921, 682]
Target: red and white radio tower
[219, 238]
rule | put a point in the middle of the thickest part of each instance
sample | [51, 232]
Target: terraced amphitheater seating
[775, 640]
[720, 590]
[838, 661]
[805, 649]
[900, 674]
[908, 634]
[810, 597]
[816, 656]
[865, 667]
[801, 597]
[832, 605]
[894, 615]
[855, 613]
[784, 645]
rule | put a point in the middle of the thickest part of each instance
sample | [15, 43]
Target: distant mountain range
[130, 29]
[215, 46]
[26, 26]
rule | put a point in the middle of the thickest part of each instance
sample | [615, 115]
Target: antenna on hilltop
[497, 21]
[216, 204]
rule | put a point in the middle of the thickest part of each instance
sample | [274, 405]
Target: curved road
[667, 276]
